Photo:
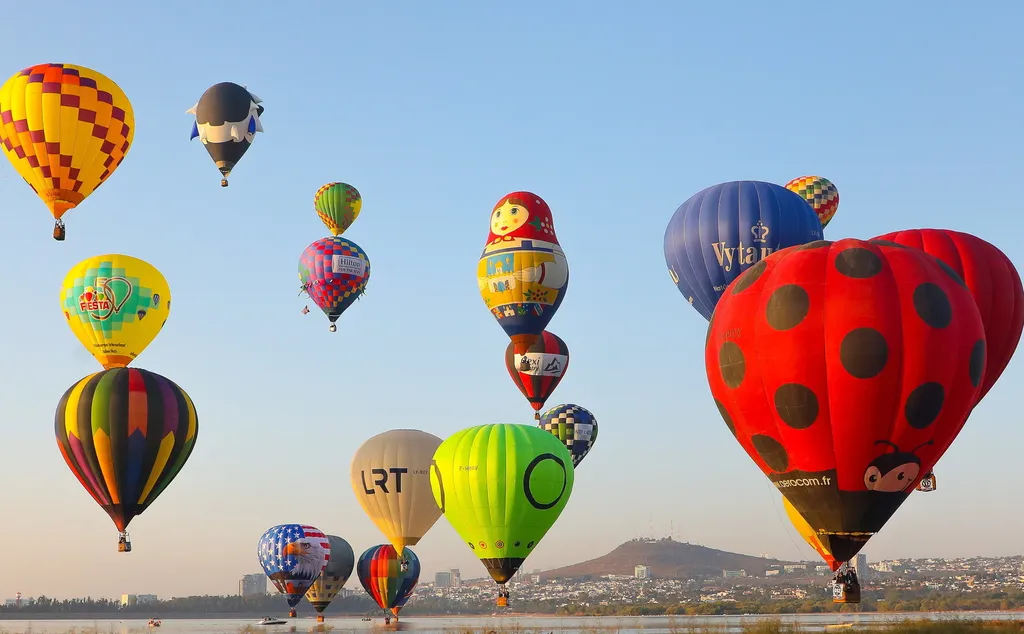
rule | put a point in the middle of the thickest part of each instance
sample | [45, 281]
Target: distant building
[728, 574]
[443, 580]
[795, 567]
[641, 571]
[252, 585]
[128, 600]
[456, 577]
[771, 572]
[862, 567]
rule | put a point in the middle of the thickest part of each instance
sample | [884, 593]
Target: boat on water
[269, 620]
[154, 623]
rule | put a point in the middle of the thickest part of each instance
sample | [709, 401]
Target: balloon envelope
[573, 425]
[502, 487]
[227, 118]
[330, 582]
[390, 476]
[293, 556]
[334, 272]
[723, 230]
[380, 572]
[65, 129]
[820, 193]
[538, 370]
[338, 205]
[845, 370]
[116, 305]
[522, 273]
[125, 433]
[993, 281]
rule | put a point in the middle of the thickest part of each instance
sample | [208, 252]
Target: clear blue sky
[434, 111]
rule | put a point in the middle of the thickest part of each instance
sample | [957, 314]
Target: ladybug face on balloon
[892, 472]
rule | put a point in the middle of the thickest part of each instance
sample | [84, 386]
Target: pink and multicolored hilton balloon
[334, 273]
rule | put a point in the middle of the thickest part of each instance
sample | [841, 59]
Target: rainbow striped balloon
[380, 571]
[125, 433]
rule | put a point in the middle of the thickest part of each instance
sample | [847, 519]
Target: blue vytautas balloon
[723, 230]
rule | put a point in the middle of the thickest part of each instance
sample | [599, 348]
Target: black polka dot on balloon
[924, 404]
[864, 353]
[771, 451]
[932, 305]
[858, 263]
[817, 244]
[726, 417]
[977, 366]
[732, 364]
[948, 270]
[748, 277]
[787, 307]
[797, 405]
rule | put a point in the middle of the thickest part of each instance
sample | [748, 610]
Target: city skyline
[613, 115]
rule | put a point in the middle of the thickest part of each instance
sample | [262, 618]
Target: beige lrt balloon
[391, 480]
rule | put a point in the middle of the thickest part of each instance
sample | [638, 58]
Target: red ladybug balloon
[540, 369]
[845, 370]
[993, 281]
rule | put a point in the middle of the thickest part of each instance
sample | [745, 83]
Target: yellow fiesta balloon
[65, 129]
[391, 479]
[805, 531]
[115, 304]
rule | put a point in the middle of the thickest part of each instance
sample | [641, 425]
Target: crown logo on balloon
[760, 231]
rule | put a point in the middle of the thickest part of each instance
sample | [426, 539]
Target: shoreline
[237, 616]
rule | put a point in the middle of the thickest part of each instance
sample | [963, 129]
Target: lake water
[481, 624]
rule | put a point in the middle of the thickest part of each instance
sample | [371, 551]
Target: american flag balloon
[293, 556]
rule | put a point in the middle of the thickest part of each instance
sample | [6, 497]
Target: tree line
[757, 602]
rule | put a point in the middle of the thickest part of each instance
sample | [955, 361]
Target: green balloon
[338, 205]
[502, 487]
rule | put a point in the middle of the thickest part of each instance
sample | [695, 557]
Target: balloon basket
[292, 614]
[223, 182]
[319, 618]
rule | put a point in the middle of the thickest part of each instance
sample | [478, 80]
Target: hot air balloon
[995, 285]
[293, 556]
[820, 193]
[845, 370]
[993, 282]
[65, 129]
[522, 273]
[338, 205]
[116, 305]
[386, 577]
[227, 118]
[808, 534]
[333, 578]
[334, 273]
[573, 425]
[723, 230]
[390, 477]
[502, 487]
[125, 433]
[539, 370]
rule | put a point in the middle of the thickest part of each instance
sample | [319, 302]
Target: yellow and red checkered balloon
[65, 129]
[820, 193]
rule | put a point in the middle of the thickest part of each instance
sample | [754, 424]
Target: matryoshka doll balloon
[522, 273]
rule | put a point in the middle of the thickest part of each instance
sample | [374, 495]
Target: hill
[668, 559]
